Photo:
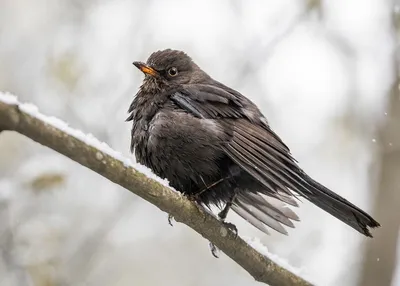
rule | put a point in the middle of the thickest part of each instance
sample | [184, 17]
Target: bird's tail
[339, 207]
[262, 211]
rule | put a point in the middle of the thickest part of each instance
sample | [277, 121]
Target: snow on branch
[86, 150]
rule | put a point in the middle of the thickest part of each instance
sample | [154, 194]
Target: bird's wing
[252, 144]
[260, 152]
[254, 147]
[257, 150]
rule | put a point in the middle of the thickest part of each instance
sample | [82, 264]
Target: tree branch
[14, 117]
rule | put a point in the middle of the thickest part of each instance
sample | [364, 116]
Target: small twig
[210, 186]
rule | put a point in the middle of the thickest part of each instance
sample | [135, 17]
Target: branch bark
[259, 266]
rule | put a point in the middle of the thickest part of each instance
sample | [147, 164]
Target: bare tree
[379, 263]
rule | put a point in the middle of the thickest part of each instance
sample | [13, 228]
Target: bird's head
[170, 68]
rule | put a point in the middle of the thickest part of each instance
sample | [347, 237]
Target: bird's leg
[224, 213]
[222, 216]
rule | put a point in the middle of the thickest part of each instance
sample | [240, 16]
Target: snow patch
[261, 248]
[8, 98]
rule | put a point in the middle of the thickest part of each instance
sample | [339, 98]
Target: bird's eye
[172, 71]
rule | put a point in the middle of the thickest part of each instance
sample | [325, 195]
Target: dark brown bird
[214, 145]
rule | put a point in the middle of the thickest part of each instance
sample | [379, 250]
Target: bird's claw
[170, 218]
[214, 250]
[192, 198]
[231, 227]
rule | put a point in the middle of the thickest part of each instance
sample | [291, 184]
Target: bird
[216, 147]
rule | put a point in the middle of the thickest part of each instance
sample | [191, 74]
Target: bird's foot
[222, 216]
[170, 218]
[192, 197]
[231, 227]
[214, 250]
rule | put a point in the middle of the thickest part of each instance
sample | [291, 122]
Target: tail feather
[281, 214]
[264, 211]
[340, 207]
[251, 219]
[266, 219]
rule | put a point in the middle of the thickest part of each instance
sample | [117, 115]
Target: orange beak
[145, 68]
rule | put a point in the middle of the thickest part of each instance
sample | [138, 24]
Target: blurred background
[325, 74]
